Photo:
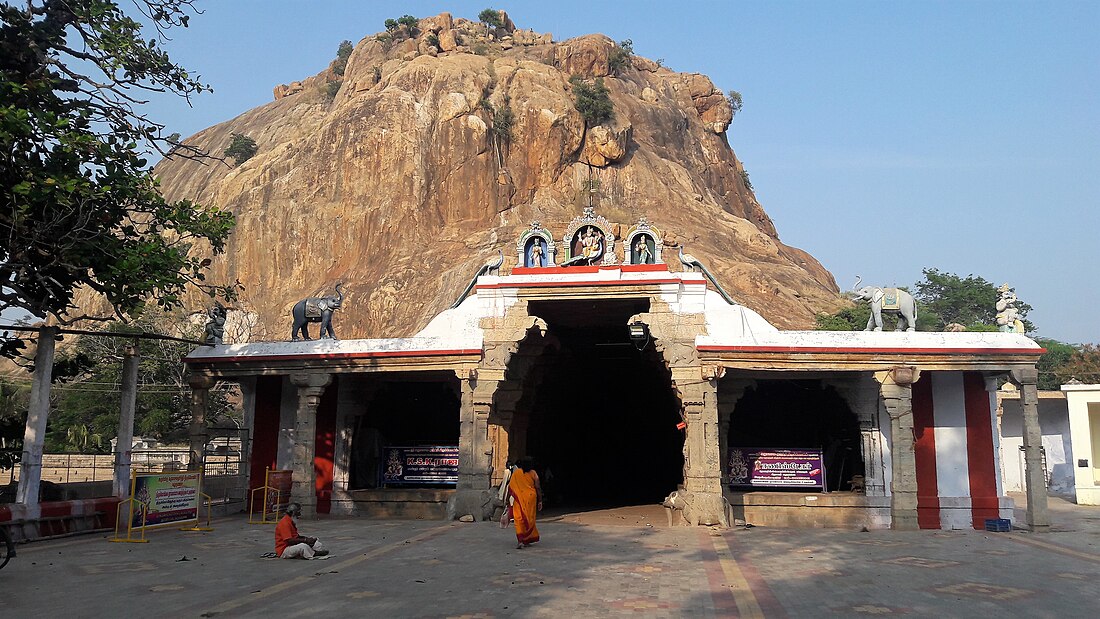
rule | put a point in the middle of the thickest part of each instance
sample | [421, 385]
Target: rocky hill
[395, 177]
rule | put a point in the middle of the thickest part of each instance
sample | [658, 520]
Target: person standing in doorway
[526, 495]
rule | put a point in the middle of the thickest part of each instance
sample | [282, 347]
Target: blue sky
[881, 137]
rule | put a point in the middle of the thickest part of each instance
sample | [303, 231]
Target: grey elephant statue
[882, 300]
[316, 309]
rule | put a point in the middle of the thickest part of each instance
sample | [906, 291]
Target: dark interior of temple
[800, 414]
[602, 425]
[402, 413]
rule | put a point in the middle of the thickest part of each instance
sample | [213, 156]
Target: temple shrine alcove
[800, 415]
[399, 411]
[599, 411]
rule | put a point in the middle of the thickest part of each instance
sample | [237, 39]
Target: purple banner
[776, 468]
[420, 465]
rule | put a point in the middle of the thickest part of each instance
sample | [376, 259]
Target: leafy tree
[331, 88]
[1083, 366]
[14, 398]
[852, 318]
[734, 98]
[391, 25]
[491, 18]
[409, 22]
[619, 56]
[342, 54]
[1052, 361]
[88, 400]
[946, 298]
[241, 148]
[593, 100]
[79, 206]
[433, 40]
[745, 179]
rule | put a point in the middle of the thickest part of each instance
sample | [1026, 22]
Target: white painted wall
[1055, 428]
[1083, 402]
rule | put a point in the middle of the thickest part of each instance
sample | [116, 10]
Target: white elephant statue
[888, 300]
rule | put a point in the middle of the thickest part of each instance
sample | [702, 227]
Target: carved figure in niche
[1008, 317]
[643, 254]
[889, 300]
[536, 252]
[589, 245]
[316, 309]
[215, 324]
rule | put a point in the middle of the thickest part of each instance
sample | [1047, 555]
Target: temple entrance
[602, 414]
[800, 414]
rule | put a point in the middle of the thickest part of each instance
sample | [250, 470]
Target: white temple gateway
[595, 358]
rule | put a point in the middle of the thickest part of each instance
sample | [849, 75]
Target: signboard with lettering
[171, 498]
[776, 468]
[420, 465]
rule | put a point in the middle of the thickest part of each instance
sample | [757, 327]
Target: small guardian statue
[215, 324]
[1008, 317]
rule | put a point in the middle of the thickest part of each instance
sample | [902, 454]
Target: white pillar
[125, 442]
[30, 468]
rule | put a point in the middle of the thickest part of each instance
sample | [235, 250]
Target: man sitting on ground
[289, 544]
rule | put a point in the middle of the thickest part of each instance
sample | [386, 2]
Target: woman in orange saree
[526, 495]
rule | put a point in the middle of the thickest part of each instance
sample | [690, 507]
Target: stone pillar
[475, 451]
[1038, 516]
[501, 423]
[248, 422]
[124, 444]
[34, 436]
[897, 395]
[303, 489]
[200, 395]
[730, 392]
[702, 471]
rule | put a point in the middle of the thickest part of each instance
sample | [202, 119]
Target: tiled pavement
[584, 567]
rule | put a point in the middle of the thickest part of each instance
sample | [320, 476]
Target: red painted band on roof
[338, 355]
[599, 282]
[873, 351]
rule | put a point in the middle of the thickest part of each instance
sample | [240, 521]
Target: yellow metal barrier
[267, 490]
[130, 522]
[196, 527]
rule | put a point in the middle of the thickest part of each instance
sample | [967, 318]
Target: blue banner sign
[776, 468]
[420, 465]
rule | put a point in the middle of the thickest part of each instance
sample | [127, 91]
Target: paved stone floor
[600, 564]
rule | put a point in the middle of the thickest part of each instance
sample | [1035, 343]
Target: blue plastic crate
[998, 525]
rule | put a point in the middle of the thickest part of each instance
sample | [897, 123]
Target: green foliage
[502, 119]
[433, 40]
[593, 100]
[80, 205]
[14, 400]
[331, 88]
[745, 179]
[480, 48]
[1083, 366]
[491, 18]
[734, 98]
[848, 319]
[385, 39]
[87, 403]
[377, 73]
[241, 148]
[1050, 364]
[946, 298]
[409, 22]
[391, 25]
[619, 57]
[342, 54]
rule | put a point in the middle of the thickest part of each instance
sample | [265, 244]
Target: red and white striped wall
[954, 427]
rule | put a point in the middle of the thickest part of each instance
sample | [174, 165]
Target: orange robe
[284, 531]
[522, 488]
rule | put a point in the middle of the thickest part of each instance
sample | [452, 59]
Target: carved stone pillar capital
[1024, 376]
[316, 380]
[201, 381]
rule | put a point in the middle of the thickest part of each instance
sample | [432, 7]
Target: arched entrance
[600, 412]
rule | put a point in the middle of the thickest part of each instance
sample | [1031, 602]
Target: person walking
[526, 495]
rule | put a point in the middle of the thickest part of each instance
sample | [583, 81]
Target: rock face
[398, 187]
